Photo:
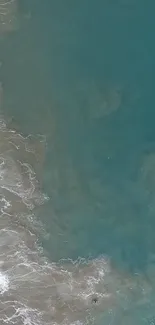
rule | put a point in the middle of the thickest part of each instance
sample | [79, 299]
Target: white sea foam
[35, 291]
[4, 283]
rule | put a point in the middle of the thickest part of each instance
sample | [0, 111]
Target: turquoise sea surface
[77, 91]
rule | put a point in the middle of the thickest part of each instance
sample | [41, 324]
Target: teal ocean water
[77, 124]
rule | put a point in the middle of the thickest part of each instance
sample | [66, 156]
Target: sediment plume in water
[33, 290]
[8, 15]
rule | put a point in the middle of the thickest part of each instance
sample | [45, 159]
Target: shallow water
[77, 123]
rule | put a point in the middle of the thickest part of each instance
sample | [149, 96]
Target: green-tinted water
[82, 73]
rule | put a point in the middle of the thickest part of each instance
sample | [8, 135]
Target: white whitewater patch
[4, 283]
[33, 290]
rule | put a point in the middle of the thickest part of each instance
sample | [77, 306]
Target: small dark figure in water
[94, 300]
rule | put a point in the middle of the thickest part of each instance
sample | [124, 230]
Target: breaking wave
[33, 290]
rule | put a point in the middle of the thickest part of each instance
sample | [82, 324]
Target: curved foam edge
[34, 290]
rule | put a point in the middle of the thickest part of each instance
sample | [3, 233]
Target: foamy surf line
[33, 290]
